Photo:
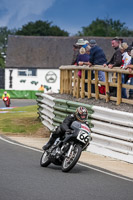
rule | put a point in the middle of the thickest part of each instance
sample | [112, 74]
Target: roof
[38, 52]
[48, 52]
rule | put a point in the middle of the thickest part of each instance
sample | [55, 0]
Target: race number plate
[83, 137]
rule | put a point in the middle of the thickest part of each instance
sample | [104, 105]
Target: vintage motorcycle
[6, 101]
[66, 151]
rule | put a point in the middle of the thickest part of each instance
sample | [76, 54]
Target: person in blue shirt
[97, 57]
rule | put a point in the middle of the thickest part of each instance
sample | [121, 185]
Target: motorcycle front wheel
[44, 161]
[70, 162]
[7, 104]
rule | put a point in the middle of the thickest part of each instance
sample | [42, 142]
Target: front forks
[69, 151]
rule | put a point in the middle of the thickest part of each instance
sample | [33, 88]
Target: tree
[106, 28]
[41, 28]
[4, 32]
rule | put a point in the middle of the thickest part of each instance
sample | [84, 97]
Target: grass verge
[22, 121]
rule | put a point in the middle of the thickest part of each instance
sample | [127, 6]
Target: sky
[69, 15]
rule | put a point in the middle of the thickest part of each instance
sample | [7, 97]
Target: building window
[27, 72]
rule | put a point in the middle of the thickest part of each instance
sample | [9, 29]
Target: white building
[32, 61]
[31, 79]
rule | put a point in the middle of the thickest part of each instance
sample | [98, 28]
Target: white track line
[95, 169]
[21, 145]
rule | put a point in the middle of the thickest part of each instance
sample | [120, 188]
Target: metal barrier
[112, 130]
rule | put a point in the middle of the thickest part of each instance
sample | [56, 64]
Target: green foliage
[4, 32]
[106, 28]
[41, 28]
[2, 64]
[22, 120]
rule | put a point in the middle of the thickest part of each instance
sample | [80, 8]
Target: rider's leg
[54, 135]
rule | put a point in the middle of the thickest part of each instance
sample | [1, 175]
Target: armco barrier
[112, 130]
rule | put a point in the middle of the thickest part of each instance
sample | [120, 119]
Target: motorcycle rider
[81, 115]
[6, 95]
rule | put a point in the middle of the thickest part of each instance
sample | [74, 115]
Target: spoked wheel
[44, 161]
[69, 162]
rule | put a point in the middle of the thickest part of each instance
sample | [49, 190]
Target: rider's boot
[49, 144]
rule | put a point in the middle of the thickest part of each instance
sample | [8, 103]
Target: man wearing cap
[97, 57]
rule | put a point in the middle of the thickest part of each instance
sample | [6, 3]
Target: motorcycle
[6, 101]
[66, 151]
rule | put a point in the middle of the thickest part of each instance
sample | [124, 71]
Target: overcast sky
[69, 15]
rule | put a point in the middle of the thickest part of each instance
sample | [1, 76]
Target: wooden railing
[70, 83]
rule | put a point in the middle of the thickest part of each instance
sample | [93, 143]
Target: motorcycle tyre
[66, 169]
[47, 162]
[7, 104]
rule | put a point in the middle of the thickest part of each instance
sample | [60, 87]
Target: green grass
[21, 121]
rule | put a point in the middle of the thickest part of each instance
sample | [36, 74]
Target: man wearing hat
[80, 43]
[97, 57]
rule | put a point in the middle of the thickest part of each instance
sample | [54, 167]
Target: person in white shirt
[126, 59]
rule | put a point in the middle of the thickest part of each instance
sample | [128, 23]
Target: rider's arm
[67, 122]
[8, 95]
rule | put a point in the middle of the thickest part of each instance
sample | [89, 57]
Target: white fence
[112, 130]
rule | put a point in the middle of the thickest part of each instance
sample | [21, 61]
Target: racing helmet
[5, 92]
[81, 114]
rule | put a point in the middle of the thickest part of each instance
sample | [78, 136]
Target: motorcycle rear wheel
[70, 162]
[44, 161]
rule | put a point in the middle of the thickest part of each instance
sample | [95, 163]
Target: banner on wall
[20, 94]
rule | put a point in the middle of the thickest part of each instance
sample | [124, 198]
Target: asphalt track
[19, 102]
[21, 178]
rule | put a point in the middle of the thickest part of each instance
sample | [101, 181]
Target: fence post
[96, 85]
[83, 84]
[107, 86]
[70, 81]
[89, 84]
[61, 82]
[119, 85]
[67, 81]
[74, 87]
[78, 87]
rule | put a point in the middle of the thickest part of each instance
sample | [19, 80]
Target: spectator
[115, 61]
[126, 58]
[83, 57]
[84, 54]
[129, 49]
[130, 67]
[76, 48]
[119, 39]
[97, 57]
[75, 54]
[131, 45]
[86, 43]
[41, 88]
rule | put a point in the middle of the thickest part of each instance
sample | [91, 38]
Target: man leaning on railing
[97, 57]
[115, 61]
